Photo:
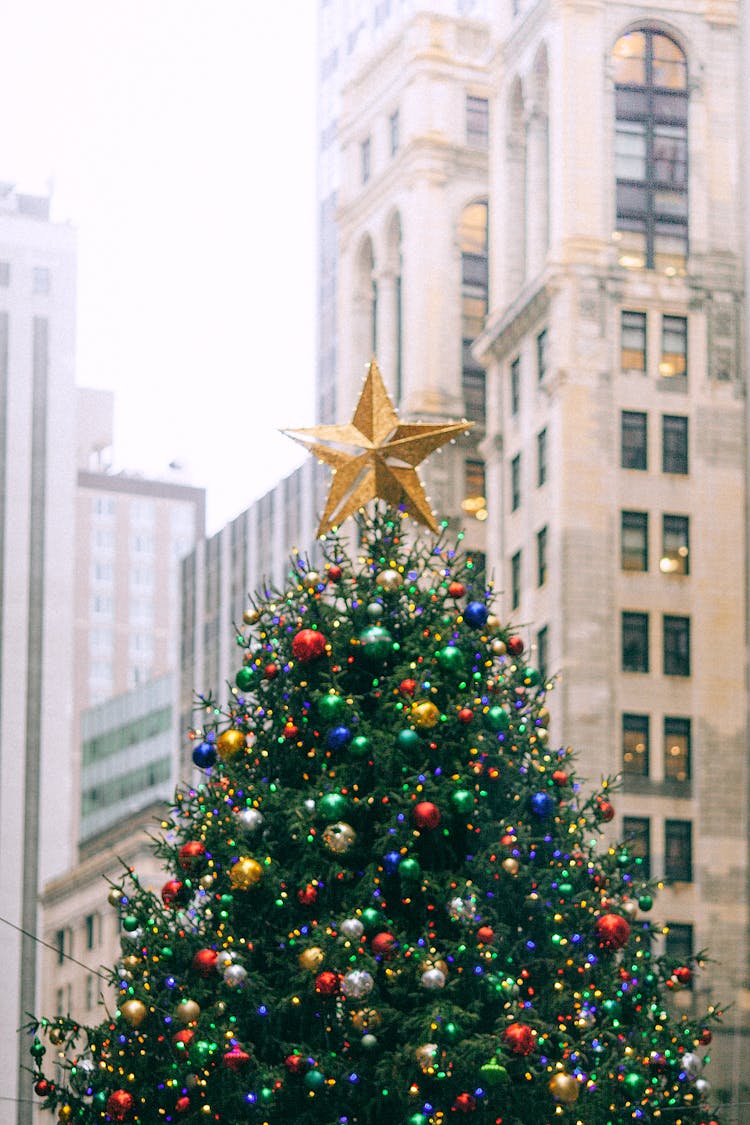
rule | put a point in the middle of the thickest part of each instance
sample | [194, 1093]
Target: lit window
[474, 502]
[678, 850]
[515, 483]
[676, 645]
[632, 341]
[634, 440]
[635, 642]
[541, 556]
[673, 346]
[676, 748]
[477, 121]
[541, 458]
[634, 541]
[675, 549]
[515, 580]
[636, 832]
[635, 741]
[515, 385]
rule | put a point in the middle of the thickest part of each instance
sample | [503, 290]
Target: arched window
[472, 235]
[651, 151]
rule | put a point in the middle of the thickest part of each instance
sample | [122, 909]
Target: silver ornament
[368, 1042]
[352, 928]
[223, 960]
[251, 819]
[357, 983]
[434, 979]
[235, 975]
[692, 1064]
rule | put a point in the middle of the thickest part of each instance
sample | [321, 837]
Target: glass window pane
[674, 444]
[677, 749]
[678, 857]
[637, 837]
[634, 440]
[675, 551]
[630, 58]
[676, 645]
[633, 341]
[635, 745]
[635, 655]
[630, 150]
[634, 541]
[669, 64]
[670, 155]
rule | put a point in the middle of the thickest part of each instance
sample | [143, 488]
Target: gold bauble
[431, 963]
[245, 874]
[498, 648]
[629, 909]
[207, 879]
[312, 578]
[133, 1012]
[114, 898]
[367, 1019]
[564, 1088]
[65, 1113]
[424, 714]
[339, 837]
[132, 963]
[389, 580]
[311, 958]
[187, 1011]
[56, 1036]
[510, 865]
[250, 616]
[492, 624]
[230, 743]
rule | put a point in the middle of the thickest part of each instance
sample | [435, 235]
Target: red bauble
[173, 892]
[465, 715]
[191, 855]
[270, 671]
[204, 962]
[465, 1103]
[456, 590]
[308, 645]
[236, 1059]
[426, 815]
[486, 935]
[120, 1105]
[560, 777]
[384, 945]
[290, 730]
[705, 1036]
[335, 572]
[519, 1038]
[308, 895]
[182, 1105]
[327, 983]
[514, 646]
[612, 930]
[605, 810]
[683, 974]
[181, 1040]
[43, 1087]
[407, 687]
[295, 1064]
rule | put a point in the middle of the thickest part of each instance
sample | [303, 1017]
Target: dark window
[634, 440]
[651, 144]
[675, 546]
[90, 927]
[679, 945]
[515, 580]
[394, 126]
[678, 850]
[541, 556]
[474, 389]
[676, 645]
[541, 355]
[633, 341]
[635, 642]
[674, 443]
[61, 945]
[541, 457]
[474, 501]
[636, 832]
[542, 651]
[515, 385]
[477, 121]
[673, 346]
[515, 483]
[634, 541]
[676, 748]
[365, 152]
[635, 739]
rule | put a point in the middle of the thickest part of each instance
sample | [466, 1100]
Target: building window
[474, 302]
[365, 158]
[636, 831]
[541, 458]
[675, 545]
[394, 131]
[5, 274]
[541, 355]
[651, 146]
[635, 642]
[542, 651]
[541, 556]
[515, 483]
[633, 341]
[89, 992]
[515, 580]
[40, 279]
[673, 346]
[477, 121]
[474, 502]
[635, 740]
[634, 540]
[678, 851]
[676, 748]
[674, 443]
[679, 945]
[634, 440]
[91, 927]
[61, 945]
[515, 385]
[475, 396]
[676, 645]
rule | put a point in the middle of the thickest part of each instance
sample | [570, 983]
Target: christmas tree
[389, 898]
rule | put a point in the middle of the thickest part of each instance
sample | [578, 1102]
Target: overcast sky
[179, 136]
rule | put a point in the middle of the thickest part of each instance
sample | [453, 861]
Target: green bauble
[636, 1084]
[332, 806]
[463, 801]
[451, 1032]
[371, 917]
[265, 1095]
[408, 739]
[493, 1074]
[130, 923]
[315, 1079]
[377, 644]
[645, 902]
[359, 747]
[409, 868]
[531, 677]
[451, 659]
[497, 718]
[331, 707]
[244, 678]
[417, 1119]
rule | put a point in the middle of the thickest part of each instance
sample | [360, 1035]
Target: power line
[54, 948]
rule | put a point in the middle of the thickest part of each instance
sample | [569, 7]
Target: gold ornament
[250, 616]
[132, 963]
[435, 964]
[207, 879]
[133, 1012]
[311, 958]
[65, 1113]
[389, 580]
[367, 1019]
[426, 1055]
[114, 898]
[56, 1036]
[510, 865]
[564, 1088]
[339, 837]
[375, 456]
[498, 647]
[312, 578]
[492, 624]
[230, 743]
[187, 1011]
[424, 714]
[245, 874]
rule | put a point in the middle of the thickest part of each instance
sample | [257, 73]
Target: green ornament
[645, 902]
[166, 952]
[493, 1074]
[370, 916]
[409, 868]
[100, 1100]
[623, 858]
[636, 1083]
[497, 719]
[330, 707]
[463, 801]
[332, 806]
[38, 1049]
[408, 739]
[203, 1050]
[451, 659]
[265, 1095]
[315, 1079]
[451, 1032]
[565, 889]
[531, 677]
[417, 1119]
[376, 644]
[130, 923]
[359, 747]
[610, 1007]
[244, 678]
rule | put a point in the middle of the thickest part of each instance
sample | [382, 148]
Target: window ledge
[633, 783]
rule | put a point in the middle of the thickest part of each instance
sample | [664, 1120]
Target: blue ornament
[391, 861]
[204, 755]
[542, 805]
[337, 738]
[476, 614]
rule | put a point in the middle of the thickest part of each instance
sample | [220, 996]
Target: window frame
[542, 544]
[675, 444]
[542, 651]
[515, 385]
[636, 624]
[680, 555]
[677, 726]
[477, 119]
[636, 831]
[676, 659]
[673, 320]
[634, 455]
[678, 850]
[640, 725]
[515, 483]
[515, 579]
[541, 457]
[636, 522]
[639, 324]
[542, 355]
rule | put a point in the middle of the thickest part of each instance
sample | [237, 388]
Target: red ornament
[507, 840]
[204, 962]
[519, 1038]
[295, 1064]
[308, 645]
[43, 1087]
[191, 855]
[465, 1103]
[486, 935]
[683, 974]
[426, 815]
[605, 810]
[384, 945]
[181, 1040]
[290, 730]
[407, 687]
[120, 1105]
[236, 1059]
[308, 895]
[612, 930]
[456, 590]
[327, 983]
[514, 646]
[271, 671]
[182, 1105]
[465, 715]
[560, 777]
[173, 892]
[705, 1036]
[335, 572]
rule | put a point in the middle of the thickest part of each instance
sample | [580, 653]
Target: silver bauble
[352, 928]
[235, 976]
[433, 979]
[357, 983]
[250, 819]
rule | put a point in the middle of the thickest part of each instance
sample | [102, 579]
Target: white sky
[180, 138]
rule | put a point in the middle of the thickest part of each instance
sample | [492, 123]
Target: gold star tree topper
[375, 456]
